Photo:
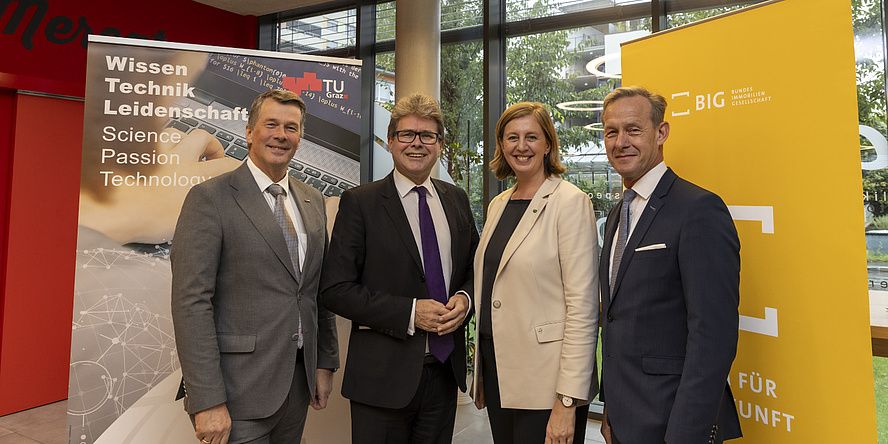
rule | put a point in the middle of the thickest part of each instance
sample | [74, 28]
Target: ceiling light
[593, 65]
[578, 105]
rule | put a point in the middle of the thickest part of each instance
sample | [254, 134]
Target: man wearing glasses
[400, 267]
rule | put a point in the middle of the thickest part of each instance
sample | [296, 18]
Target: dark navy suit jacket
[669, 333]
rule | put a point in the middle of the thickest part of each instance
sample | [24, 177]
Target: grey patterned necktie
[290, 235]
[622, 236]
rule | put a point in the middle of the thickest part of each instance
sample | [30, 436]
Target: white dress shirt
[643, 188]
[410, 202]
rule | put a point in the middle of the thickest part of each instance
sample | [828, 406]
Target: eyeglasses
[426, 137]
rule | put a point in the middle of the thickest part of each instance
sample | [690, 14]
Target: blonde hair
[658, 102]
[419, 105]
[552, 164]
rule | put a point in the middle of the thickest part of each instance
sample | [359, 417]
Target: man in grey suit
[255, 347]
[669, 307]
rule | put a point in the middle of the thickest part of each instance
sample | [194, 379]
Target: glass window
[385, 21]
[335, 30]
[385, 62]
[462, 95]
[528, 9]
[459, 14]
[869, 48]
[682, 18]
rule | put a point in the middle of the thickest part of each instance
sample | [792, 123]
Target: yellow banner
[762, 105]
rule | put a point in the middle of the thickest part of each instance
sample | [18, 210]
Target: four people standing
[256, 348]
[536, 291]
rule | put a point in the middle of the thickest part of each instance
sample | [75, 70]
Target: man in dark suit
[400, 267]
[670, 297]
[255, 348]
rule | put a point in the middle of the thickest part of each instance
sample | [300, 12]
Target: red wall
[42, 227]
[36, 59]
[40, 145]
[7, 104]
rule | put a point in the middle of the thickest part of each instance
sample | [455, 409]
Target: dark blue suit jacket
[669, 333]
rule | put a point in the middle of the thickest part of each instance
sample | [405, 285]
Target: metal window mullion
[577, 20]
[884, 50]
[494, 88]
[366, 44]
[658, 15]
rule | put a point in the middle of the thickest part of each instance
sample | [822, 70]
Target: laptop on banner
[328, 158]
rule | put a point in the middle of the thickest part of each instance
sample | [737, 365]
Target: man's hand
[457, 307]
[428, 312]
[560, 429]
[213, 425]
[605, 427]
[323, 387]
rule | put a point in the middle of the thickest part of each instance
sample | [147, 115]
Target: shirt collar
[264, 181]
[646, 184]
[405, 185]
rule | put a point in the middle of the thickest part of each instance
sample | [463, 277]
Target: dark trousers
[518, 426]
[286, 424]
[427, 419]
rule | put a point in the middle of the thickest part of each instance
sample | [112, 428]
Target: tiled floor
[472, 427]
[41, 425]
[47, 425]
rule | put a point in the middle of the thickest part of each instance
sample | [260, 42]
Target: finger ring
[203, 440]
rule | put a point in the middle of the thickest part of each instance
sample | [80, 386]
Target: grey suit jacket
[669, 332]
[235, 299]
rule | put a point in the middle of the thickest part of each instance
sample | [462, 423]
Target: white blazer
[545, 298]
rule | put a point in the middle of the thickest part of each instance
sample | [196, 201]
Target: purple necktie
[439, 345]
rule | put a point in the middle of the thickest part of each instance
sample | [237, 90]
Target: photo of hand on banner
[147, 214]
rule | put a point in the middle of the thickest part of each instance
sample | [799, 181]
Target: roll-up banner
[160, 118]
[763, 111]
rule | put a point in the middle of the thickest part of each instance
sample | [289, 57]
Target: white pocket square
[651, 247]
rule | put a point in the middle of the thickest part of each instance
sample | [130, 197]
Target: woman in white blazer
[536, 291]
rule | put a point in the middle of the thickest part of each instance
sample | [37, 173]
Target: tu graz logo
[332, 89]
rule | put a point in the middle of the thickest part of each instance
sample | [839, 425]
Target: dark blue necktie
[440, 346]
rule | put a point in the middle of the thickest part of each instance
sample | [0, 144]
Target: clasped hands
[435, 317]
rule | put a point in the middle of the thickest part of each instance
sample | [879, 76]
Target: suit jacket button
[610, 318]
[295, 336]
[497, 304]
